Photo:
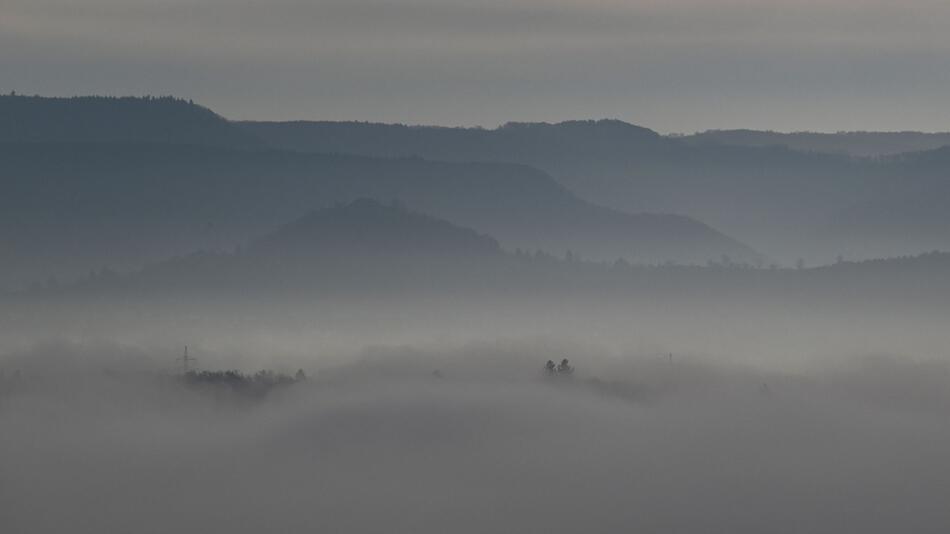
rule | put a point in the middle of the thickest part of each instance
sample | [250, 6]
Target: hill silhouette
[785, 202]
[907, 213]
[144, 178]
[756, 186]
[366, 228]
[366, 248]
[116, 120]
[72, 207]
[752, 185]
[348, 248]
[768, 196]
[527, 143]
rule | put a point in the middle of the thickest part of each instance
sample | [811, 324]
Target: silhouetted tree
[565, 367]
[257, 385]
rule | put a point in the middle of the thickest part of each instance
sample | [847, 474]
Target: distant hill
[623, 183]
[527, 143]
[780, 192]
[348, 248]
[908, 214]
[769, 196]
[69, 208]
[858, 144]
[366, 228]
[788, 195]
[116, 120]
[370, 249]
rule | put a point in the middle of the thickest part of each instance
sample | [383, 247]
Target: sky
[672, 65]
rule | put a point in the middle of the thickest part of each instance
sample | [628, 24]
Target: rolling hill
[770, 196]
[97, 119]
[366, 229]
[72, 207]
[370, 249]
[815, 203]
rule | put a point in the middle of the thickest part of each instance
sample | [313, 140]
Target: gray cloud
[678, 65]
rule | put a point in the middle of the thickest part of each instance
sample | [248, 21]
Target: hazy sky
[674, 65]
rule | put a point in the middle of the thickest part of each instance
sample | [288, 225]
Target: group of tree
[562, 369]
[258, 384]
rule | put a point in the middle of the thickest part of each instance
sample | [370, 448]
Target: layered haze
[441, 266]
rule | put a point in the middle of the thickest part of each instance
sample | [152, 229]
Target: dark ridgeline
[529, 143]
[101, 119]
[85, 206]
[366, 248]
[367, 229]
[349, 249]
[93, 182]
[611, 162]
[71, 205]
[755, 186]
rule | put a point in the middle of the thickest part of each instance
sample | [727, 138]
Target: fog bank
[96, 440]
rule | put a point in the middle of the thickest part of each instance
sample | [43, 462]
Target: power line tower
[185, 361]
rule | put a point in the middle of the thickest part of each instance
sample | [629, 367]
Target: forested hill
[366, 228]
[351, 249]
[74, 207]
[361, 248]
[754, 186]
[514, 142]
[99, 119]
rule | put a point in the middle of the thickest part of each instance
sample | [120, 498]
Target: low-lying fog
[472, 437]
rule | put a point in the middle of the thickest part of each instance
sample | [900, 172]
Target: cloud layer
[680, 65]
[382, 445]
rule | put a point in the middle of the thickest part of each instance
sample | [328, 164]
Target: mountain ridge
[368, 228]
[135, 203]
[782, 201]
[116, 120]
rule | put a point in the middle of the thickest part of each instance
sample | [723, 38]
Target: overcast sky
[673, 65]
